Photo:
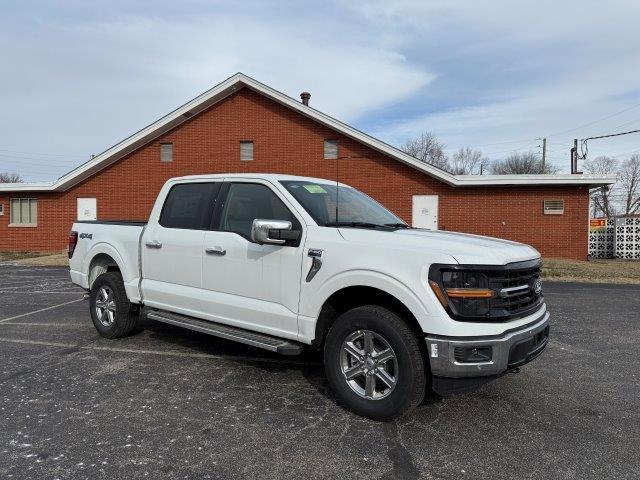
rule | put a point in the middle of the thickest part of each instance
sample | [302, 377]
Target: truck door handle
[153, 244]
[215, 251]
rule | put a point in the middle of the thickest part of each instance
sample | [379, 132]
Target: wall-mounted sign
[597, 225]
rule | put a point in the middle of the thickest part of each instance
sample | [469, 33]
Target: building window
[553, 207]
[166, 152]
[24, 212]
[246, 150]
[331, 149]
[1, 208]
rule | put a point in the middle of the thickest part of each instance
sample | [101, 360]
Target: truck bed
[104, 239]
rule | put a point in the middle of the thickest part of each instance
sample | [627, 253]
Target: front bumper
[508, 351]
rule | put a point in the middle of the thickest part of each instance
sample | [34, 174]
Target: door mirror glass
[275, 232]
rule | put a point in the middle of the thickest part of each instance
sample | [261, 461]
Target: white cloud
[79, 77]
[526, 69]
[100, 80]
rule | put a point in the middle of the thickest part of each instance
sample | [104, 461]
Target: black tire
[123, 321]
[411, 377]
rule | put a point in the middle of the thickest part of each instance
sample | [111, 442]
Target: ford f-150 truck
[282, 262]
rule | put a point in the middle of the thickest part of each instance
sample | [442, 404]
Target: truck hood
[464, 248]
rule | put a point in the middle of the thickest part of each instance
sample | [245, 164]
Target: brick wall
[287, 142]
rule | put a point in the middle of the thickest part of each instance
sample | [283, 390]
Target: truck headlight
[465, 293]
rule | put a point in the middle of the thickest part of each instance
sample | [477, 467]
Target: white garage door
[87, 209]
[425, 212]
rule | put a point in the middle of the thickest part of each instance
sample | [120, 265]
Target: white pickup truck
[282, 262]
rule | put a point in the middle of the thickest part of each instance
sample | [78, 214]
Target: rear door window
[189, 206]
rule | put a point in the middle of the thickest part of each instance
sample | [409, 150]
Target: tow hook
[515, 370]
[85, 296]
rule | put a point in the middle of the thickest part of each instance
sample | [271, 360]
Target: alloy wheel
[105, 306]
[369, 364]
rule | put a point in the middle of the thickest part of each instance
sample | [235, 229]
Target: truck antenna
[338, 183]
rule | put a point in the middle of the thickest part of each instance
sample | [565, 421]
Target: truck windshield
[355, 209]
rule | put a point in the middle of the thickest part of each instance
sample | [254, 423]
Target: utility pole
[544, 154]
[574, 157]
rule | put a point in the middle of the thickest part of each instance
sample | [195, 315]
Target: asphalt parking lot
[169, 403]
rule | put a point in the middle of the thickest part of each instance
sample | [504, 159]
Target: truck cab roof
[273, 177]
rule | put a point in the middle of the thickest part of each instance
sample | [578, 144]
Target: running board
[255, 339]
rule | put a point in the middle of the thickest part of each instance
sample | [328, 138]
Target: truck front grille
[517, 290]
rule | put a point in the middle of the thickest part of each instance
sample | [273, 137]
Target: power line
[625, 124]
[42, 154]
[595, 121]
[611, 135]
[528, 140]
[45, 161]
[625, 154]
[528, 147]
[584, 147]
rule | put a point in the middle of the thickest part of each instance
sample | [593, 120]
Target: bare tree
[467, 161]
[6, 177]
[601, 197]
[427, 148]
[522, 163]
[629, 176]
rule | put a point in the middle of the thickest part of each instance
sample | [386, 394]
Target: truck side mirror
[275, 232]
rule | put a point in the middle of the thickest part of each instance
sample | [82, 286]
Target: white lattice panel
[627, 238]
[602, 244]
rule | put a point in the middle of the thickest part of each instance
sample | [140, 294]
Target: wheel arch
[101, 259]
[347, 298]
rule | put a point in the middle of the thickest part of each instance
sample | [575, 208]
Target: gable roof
[238, 81]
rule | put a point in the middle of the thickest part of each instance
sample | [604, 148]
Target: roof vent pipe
[305, 96]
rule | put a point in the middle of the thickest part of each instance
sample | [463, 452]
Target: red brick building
[283, 135]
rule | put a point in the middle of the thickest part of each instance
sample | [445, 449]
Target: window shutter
[246, 150]
[553, 207]
[330, 149]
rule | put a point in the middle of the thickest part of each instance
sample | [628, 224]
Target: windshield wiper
[355, 225]
[397, 225]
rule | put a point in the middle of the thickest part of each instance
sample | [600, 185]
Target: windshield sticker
[315, 189]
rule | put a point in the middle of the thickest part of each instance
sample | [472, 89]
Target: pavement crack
[404, 467]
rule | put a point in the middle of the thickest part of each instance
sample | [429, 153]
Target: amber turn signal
[438, 291]
[469, 293]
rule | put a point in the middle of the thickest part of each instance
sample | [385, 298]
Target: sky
[77, 77]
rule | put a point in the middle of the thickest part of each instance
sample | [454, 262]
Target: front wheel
[112, 313]
[374, 363]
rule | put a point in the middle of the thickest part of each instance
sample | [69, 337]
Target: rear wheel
[374, 363]
[112, 313]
